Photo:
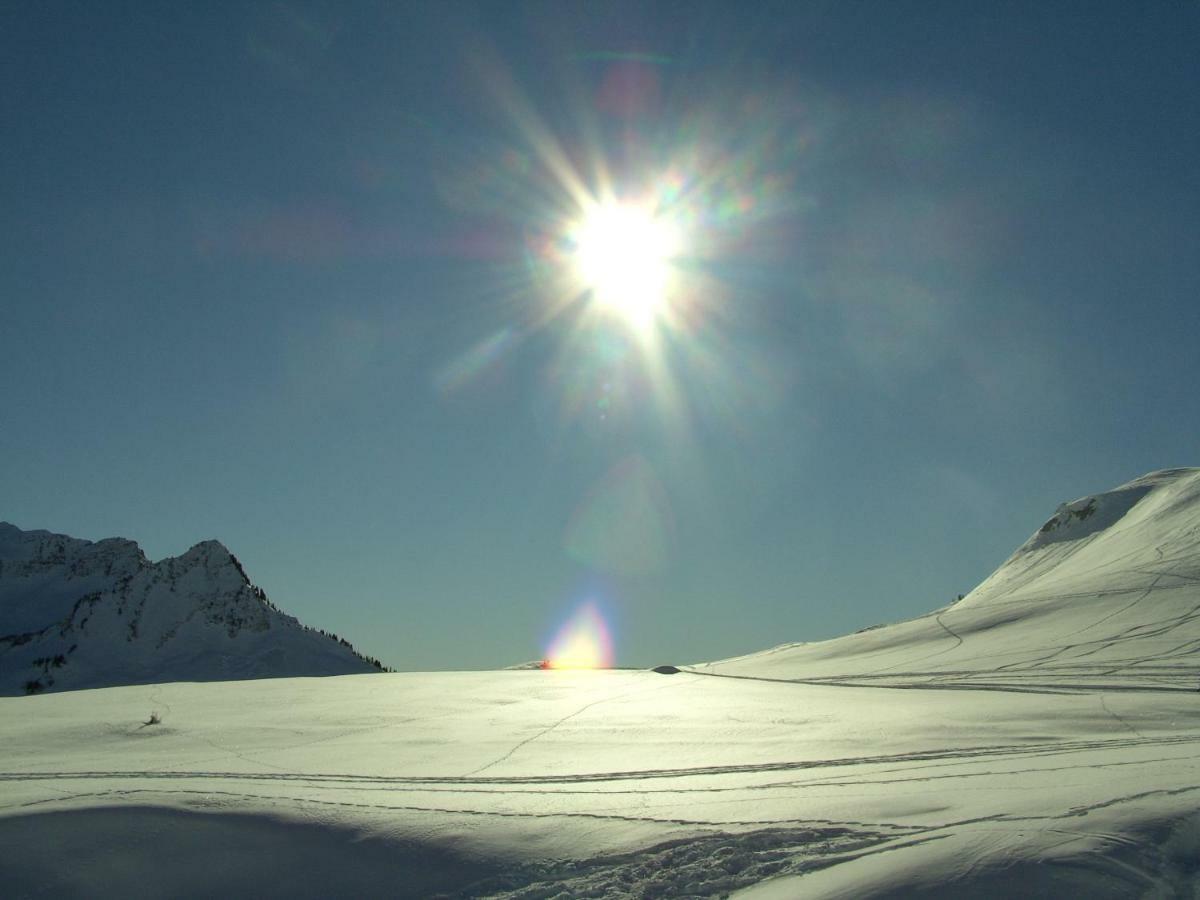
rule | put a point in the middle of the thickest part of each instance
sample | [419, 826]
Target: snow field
[1039, 738]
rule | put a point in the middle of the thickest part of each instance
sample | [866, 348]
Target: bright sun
[624, 254]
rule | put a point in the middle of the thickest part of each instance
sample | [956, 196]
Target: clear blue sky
[277, 274]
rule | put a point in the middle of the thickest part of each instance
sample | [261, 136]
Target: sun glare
[624, 254]
[583, 642]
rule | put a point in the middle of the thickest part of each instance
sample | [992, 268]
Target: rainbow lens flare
[583, 642]
[624, 523]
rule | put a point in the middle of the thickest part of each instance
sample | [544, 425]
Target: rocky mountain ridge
[81, 614]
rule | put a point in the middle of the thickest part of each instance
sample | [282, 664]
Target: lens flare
[583, 642]
[624, 523]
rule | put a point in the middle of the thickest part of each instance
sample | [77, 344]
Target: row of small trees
[262, 598]
[370, 660]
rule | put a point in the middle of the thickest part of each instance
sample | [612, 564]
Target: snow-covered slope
[78, 614]
[1106, 594]
[1040, 738]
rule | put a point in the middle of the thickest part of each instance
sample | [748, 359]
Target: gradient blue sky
[270, 273]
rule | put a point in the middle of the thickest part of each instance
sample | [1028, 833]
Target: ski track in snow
[549, 728]
[955, 756]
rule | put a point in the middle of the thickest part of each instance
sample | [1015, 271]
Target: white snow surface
[1038, 738]
[77, 614]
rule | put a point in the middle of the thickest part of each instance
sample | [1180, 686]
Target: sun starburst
[624, 254]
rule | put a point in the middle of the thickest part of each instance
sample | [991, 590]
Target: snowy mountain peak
[77, 613]
[209, 548]
[213, 558]
[209, 552]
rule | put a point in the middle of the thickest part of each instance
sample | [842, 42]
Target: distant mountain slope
[83, 614]
[1105, 593]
